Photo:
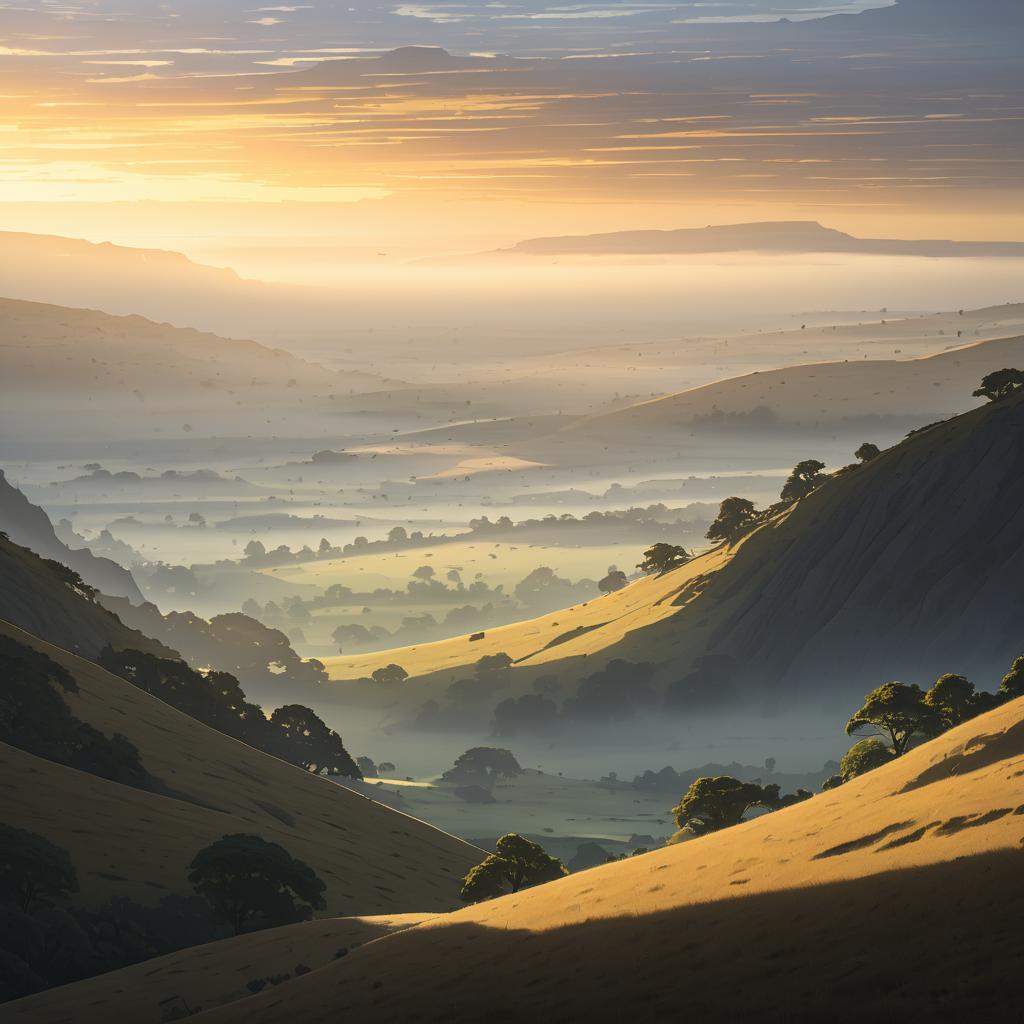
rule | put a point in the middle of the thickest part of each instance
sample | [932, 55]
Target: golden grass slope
[545, 643]
[907, 567]
[204, 976]
[129, 842]
[895, 897]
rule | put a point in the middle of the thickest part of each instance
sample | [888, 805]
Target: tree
[483, 766]
[302, 738]
[1012, 685]
[663, 558]
[615, 580]
[34, 873]
[807, 476]
[954, 700]
[516, 863]
[711, 804]
[898, 711]
[425, 573]
[252, 883]
[863, 757]
[397, 535]
[390, 675]
[1000, 384]
[735, 517]
[493, 663]
[531, 713]
[867, 451]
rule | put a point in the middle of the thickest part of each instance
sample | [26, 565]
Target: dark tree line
[35, 717]
[242, 883]
[293, 733]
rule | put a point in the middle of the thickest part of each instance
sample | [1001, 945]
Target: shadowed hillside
[29, 526]
[897, 890]
[131, 842]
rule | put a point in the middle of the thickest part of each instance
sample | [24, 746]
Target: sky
[346, 125]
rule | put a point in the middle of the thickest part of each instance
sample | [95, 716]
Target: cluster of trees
[34, 717]
[711, 804]
[242, 883]
[517, 863]
[233, 642]
[902, 715]
[293, 733]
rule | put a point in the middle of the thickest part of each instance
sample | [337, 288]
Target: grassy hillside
[896, 891]
[820, 393]
[204, 976]
[904, 568]
[128, 842]
[122, 372]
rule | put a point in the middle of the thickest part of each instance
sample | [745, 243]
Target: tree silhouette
[34, 873]
[303, 739]
[615, 580]
[898, 711]
[483, 766]
[390, 675]
[1000, 384]
[663, 558]
[867, 451]
[250, 882]
[807, 476]
[516, 863]
[735, 517]
[1012, 685]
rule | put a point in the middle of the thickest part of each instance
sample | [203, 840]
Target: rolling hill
[894, 895]
[103, 373]
[768, 236]
[131, 842]
[906, 567]
[850, 393]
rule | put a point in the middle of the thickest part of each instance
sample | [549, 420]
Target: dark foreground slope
[138, 843]
[896, 897]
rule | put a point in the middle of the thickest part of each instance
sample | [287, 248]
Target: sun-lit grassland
[538, 642]
[493, 562]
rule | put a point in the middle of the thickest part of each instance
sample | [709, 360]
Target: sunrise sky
[150, 123]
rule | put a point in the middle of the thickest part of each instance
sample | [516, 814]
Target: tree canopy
[516, 863]
[389, 675]
[661, 558]
[711, 804]
[305, 740]
[898, 711]
[1000, 385]
[954, 700]
[735, 517]
[615, 580]
[1012, 685]
[33, 871]
[807, 476]
[251, 883]
[867, 452]
[483, 766]
[35, 718]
